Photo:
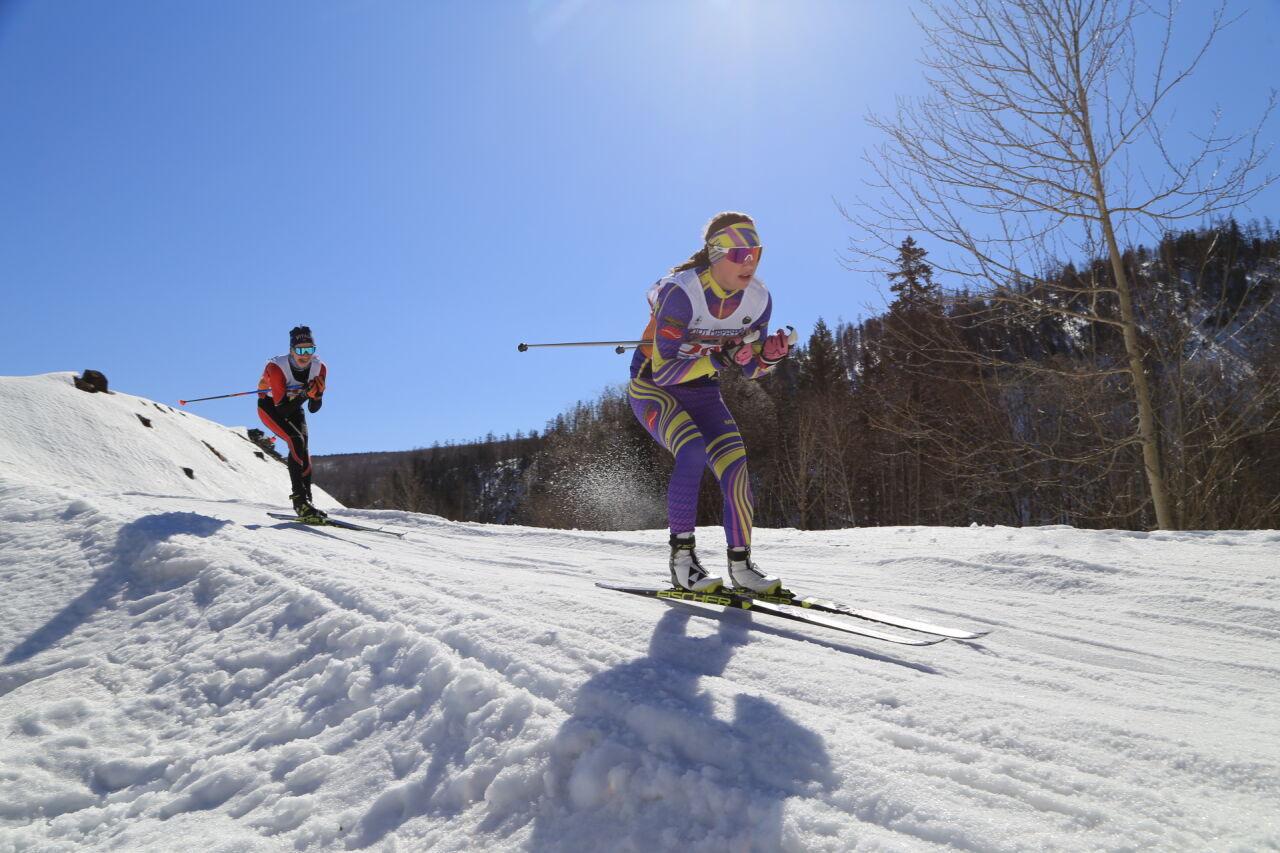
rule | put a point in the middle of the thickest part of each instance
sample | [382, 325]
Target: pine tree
[912, 279]
[821, 366]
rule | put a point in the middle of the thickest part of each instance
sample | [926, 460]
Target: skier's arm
[315, 389]
[676, 354]
[756, 367]
[272, 380]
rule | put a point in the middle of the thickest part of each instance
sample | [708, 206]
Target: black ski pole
[240, 394]
[623, 346]
[619, 346]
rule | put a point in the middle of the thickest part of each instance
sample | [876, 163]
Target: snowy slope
[179, 671]
[55, 434]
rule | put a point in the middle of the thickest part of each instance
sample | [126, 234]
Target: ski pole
[241, 394]
[619, 346]
[623, 346]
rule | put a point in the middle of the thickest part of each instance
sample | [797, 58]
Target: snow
[180, 671]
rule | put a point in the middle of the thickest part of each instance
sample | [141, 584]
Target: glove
[734, 351]
[290, 405]
[776, 348]
[315, 388]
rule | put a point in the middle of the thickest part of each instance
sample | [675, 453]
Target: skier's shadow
[653, 761]
[119, 573]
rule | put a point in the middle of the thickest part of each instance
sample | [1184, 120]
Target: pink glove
[775, 348]
[743, 354]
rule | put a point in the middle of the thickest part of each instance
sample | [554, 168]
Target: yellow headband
[740, 235]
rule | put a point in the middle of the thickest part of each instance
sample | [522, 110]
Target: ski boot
[745, 574]
[315, 511]
[686, 571]
[303, 508]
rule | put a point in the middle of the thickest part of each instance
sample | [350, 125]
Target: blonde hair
[700, 258]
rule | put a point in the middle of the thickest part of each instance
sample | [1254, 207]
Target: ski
[793, 600]
[334, 522]
[733, 600]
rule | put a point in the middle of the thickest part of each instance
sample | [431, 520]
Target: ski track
[178, 666]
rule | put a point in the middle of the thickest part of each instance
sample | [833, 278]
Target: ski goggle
[311, 350]
[737, 255]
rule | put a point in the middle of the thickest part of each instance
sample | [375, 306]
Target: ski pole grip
[793, 337]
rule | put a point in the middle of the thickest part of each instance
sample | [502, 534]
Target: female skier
[700, 314]
[281, 409]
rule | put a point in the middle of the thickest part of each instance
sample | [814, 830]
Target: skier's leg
[302, 448]
[663, 416]
[727, 459]
[726, 456]
[294, 432]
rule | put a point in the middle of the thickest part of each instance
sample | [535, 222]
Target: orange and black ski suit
[281, 411]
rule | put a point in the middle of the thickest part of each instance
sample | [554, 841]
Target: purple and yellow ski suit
[675, 391]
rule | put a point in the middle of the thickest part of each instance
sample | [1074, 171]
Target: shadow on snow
[133, 541]
[650, 760]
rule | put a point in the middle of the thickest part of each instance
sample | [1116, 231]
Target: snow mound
[53, 433]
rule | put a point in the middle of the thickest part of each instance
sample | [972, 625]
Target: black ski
[333, 522]
[726, 599]
[869, 615]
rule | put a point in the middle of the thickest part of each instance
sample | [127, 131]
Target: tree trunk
[1147, 437]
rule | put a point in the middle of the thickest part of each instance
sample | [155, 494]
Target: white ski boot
[745, 574]
[686, 570]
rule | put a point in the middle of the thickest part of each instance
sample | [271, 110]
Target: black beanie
[300, 335]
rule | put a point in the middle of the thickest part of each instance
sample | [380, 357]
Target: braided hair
[700, 258]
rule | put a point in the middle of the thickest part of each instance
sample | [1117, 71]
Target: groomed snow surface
[179, 671]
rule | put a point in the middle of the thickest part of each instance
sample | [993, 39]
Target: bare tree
[1025, 154]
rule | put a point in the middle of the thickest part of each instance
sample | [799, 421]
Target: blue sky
[428, 184]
